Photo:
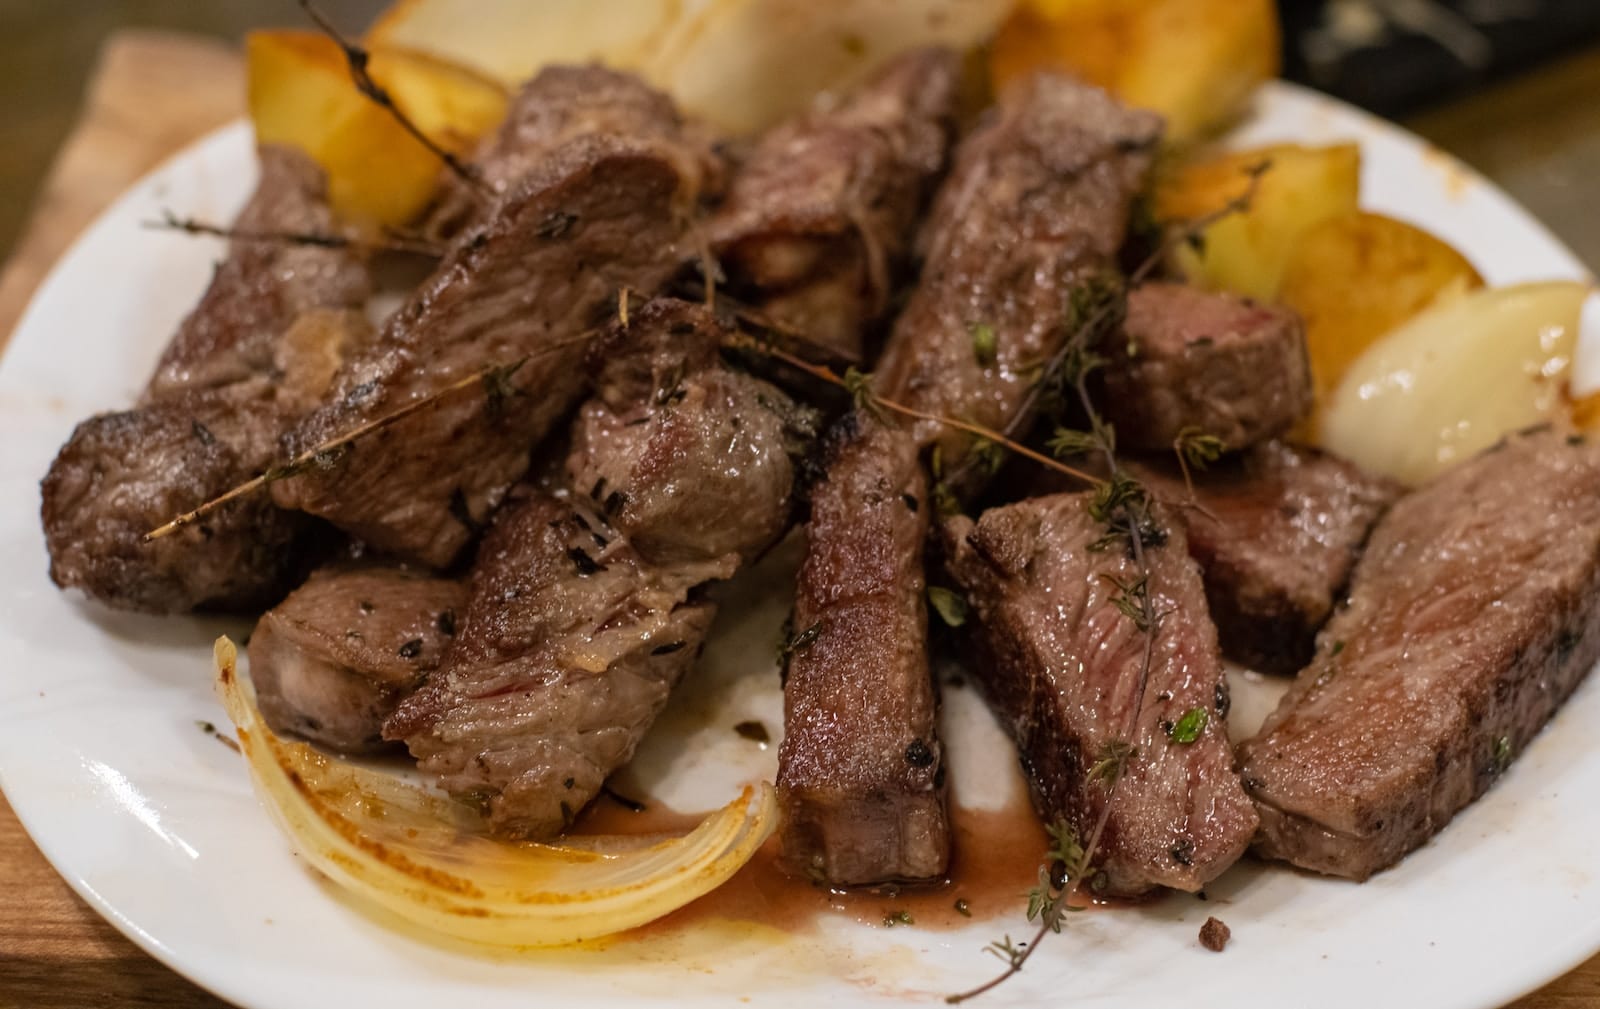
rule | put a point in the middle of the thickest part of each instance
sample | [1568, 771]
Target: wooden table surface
[144, 104]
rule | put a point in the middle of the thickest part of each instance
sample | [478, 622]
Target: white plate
[155, 825]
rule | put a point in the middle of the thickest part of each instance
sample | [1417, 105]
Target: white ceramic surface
[155, 825]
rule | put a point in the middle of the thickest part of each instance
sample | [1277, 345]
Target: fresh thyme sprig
[494, 381]
[192, 226]
[357, 57]
[1123, 506]
[859, 385]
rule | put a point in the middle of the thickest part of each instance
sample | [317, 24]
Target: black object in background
[1393, 56]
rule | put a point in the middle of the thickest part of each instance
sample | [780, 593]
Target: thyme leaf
[1188, 728]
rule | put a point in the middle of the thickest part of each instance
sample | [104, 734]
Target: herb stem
[192, 226]
[357, 58]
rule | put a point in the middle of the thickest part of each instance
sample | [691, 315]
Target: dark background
[1415, 59]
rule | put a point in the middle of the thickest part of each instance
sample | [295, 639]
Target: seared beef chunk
[860, 772]
[522, 294]
[1472, 615]
[1034, 209]
[1190, 360]
[1276, 530]
[1060, 662]
[263, 286]
[243, 366]
[693, 461]
[583, 611]
[121, 475]
[335, 658]
[559, 104]
[564, 656]
[818, 222]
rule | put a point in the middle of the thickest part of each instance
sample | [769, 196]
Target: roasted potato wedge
[301, 93]
[1357, 276]
[741, 65]
[1246, 252]
[1194, 61]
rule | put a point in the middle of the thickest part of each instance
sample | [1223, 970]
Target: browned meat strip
[564, 656]
[335, 658]
[1472, 615]
[1035, 207]
[530, 286]
[122, 474]
[584, 611]
[818, 221]
[1211, 363]
[860, 771]
[245, 364]
[1060, 663]
[1276, 530]
[559, 104]
[696, 456]
[262, 287]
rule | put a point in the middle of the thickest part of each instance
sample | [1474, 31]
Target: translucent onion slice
[1455, 379]
[425, 858]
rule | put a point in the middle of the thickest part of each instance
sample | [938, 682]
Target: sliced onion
[426, 858]
[1455, 379]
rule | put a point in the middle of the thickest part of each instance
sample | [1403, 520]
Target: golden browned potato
[1194, 61]
[1357, 276]
[740, 65]
[300, 93]
[1246, 252]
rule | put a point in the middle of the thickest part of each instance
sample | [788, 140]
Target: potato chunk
[1246, 252]
[1357, 276]
[1194, 61]
[301, 93]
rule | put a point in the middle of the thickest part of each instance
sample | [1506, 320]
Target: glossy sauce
[995, 863]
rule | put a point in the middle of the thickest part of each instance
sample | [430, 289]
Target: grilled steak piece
[584, 609]
[818, 221]
[263, 286]
[696, 460]
[1212, 363]
[1035, 208]
[1472, 615]
[121, 475]
[559, 104]
[564, 656]
[335, 658]
[1060, 662]
[523, 293]
[861, 771]
[1276, 530]
[245, 364]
